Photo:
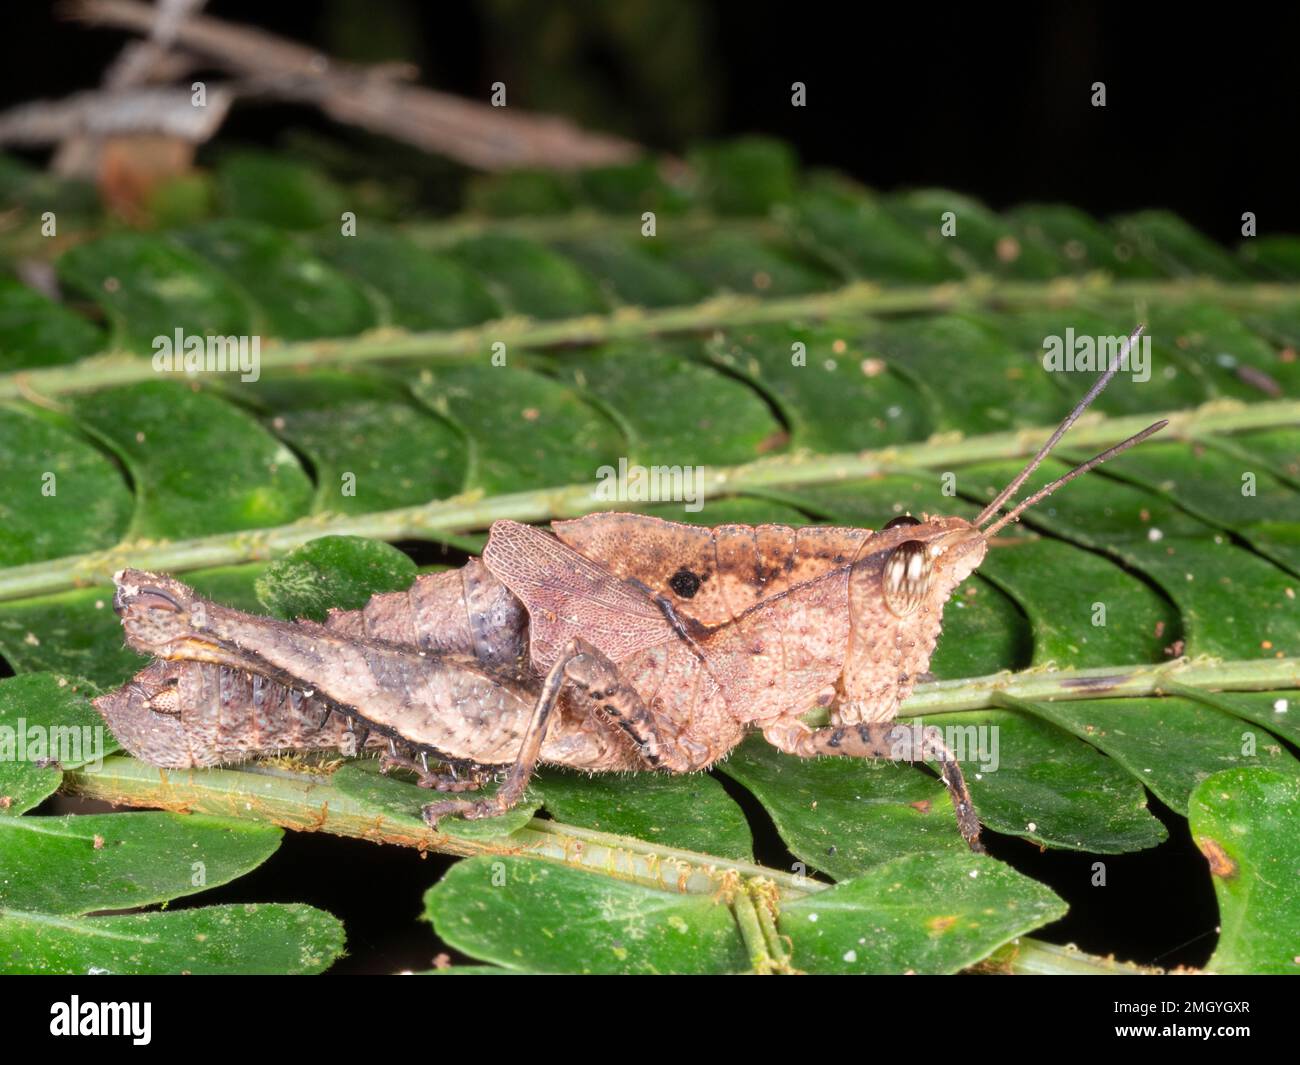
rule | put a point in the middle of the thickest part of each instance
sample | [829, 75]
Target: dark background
[992, 100]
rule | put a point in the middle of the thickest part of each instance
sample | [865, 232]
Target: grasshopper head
[902, 577]
[160, 615]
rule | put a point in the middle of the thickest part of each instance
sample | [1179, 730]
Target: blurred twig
[375, 98]
[120, 108]
[88, 116]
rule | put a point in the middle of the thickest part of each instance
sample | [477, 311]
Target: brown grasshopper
[647, 644]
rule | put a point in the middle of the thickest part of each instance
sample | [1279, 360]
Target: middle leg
[886, 739]
[596, 682]
[468, 779]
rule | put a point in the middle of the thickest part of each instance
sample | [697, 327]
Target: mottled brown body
[618, 641]
[540, 653]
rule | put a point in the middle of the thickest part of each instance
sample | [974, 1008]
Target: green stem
[855, 299]
[766, 899]
[751, 931]
[548, 229]
[309, 802]
[26, 242]
[473, 511]
[1103, 682]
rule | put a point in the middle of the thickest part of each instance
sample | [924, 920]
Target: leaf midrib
[856, 299]
[474, 511]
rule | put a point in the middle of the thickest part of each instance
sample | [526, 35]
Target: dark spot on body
[684, 583]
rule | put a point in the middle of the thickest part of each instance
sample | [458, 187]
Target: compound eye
[905, 519]
[906, 578]
[166, 700]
